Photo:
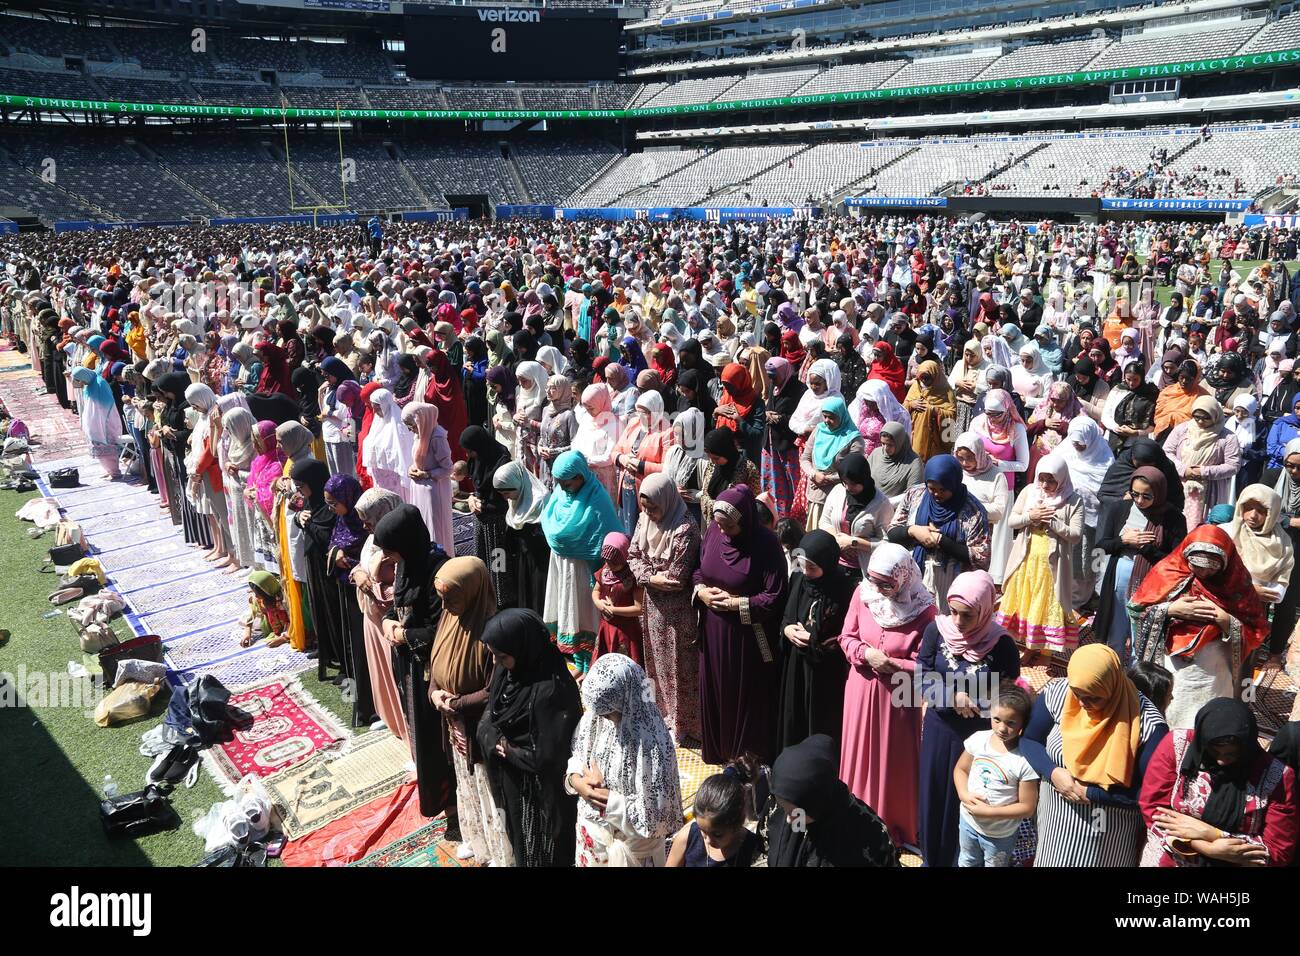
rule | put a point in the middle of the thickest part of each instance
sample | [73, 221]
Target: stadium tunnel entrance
[477, 203]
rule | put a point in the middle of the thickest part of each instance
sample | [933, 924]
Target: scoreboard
[511, 43]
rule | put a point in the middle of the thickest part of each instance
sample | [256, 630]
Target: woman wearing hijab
[343, 554]
[1206, 455]
[1090, 738]
[174, 434]
[558, 426]
[963, 656]
[460, 671]
[881, 737]
[1175, 404]
[1129, 411]
[1197, 613]
[1050, 422]
[387, 447]
[530, 401]
[1030, 376]
[872, 409]
[835, 437]
[1282, 432]
[641, 450]
[814, 821]
[338, 427]
[501, 394]
[623, 769]
[723, 466]
[853, 371]
[410, 628]
[1137, 532]
[741, 410]
[1037, 606]
[663, 555]
[740, 584]
[428, 485]
[1088, 458]
[1267, 552]
[100, 420]
[373, 579]
[813, 668]
[489, 508]
[276, 376]
[237, 450]
[933, 407]
[857, 513]
[968, 382]
[886, 367]
[895, 466]
[945, 526]
[781, 473]
[206, 490]
[1286, 482]
[526, 549]
[1004, 435]
[1212, 796]
[315, 522]
[525, 734]
[597, 434]
[408, 372]
[989, 485]
[576, 519]
[474, 382]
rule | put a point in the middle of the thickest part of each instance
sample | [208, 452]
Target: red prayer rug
[289, 725]
[387, 831]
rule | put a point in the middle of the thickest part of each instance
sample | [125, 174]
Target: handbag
[96, 638]
[146, 648]
[137, 814]
[67, 554]
[64, 478]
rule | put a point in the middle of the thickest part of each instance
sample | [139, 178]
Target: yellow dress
[293, 596]
[1030, 609]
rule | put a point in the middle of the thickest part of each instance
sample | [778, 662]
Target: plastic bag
[239, 821]
[144, 672]
[126, 702]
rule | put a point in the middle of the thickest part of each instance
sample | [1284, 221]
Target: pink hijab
[266, 467]
[975, 589]
[425, 417]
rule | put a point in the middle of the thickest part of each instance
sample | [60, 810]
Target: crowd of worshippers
[808, 497]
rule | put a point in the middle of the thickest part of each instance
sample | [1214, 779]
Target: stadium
[146, 114]
[455, 433]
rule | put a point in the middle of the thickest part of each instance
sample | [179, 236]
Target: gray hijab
[894, 474]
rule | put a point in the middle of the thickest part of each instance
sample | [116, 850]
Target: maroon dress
[618, 635]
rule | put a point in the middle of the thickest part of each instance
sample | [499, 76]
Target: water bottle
[110, 786]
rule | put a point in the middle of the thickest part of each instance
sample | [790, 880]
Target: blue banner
[1271, 222]
[86, 225]
[323, 219]
[929, 201]
[660, 213]
[1178, 205]
[435, 215]
[8, 226]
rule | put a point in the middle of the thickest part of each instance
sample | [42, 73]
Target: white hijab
[389, 443]
[910, 598]
[808, 413]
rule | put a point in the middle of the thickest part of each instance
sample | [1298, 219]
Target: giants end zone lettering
[510, 16]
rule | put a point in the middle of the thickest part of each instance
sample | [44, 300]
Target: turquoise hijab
[97, 389]
[827, 442]
[575, 525]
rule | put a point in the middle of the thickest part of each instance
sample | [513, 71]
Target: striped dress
[1089, 834]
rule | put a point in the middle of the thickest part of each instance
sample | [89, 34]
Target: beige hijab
[1267, 554]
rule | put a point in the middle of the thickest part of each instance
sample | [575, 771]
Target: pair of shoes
[465, 852]
[379, 725]
[19, 484]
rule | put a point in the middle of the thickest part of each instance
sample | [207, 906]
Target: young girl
[619, 600]
[718, 835]
[266, 611]
[995, 783]
[1037, 602]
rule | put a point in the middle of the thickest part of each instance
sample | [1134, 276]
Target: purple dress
[739, 672]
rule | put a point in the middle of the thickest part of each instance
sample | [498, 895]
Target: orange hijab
[1100, 748]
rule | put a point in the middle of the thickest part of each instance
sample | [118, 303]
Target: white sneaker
[379, 725]
[465, 851]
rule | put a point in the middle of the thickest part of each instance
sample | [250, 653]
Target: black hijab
[722, 442]
[703, 398]
[539, 668]
[855, 468]
[820, 604]
[314, 474]
[403, 531]
[173, 385]
[1221, 718]
[406, 381]
[1141, 451]
[273, 407]
[840, 830]
[307, 384]
[524, 346]
[691, 358]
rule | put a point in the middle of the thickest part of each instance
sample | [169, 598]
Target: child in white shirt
[996, 785]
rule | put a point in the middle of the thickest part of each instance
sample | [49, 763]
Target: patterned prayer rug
[427, 846]
[289, 725]
[327, 786]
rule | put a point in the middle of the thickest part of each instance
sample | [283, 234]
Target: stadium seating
[1039, 59]
[552, 172]
[940, 69]
[698, 183]
[633, 171]
[820, 172]
[1174, 47]
[462, 168]
[482, 98]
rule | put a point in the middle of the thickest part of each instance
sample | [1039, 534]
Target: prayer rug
[289, 725]
[328, 786]
[363, 832]
[427, 846]
[691, 771]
